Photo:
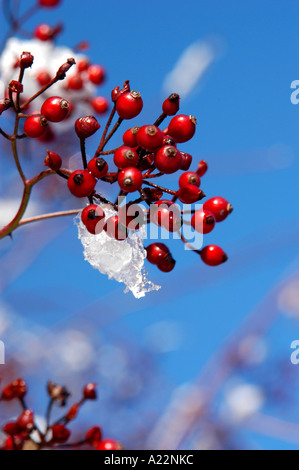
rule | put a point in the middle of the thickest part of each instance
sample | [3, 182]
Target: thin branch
[52, 215]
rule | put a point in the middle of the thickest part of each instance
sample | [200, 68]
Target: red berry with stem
[129, 105]
[168, 159]
[100, 104]
[189, 178]
[156, 252]
[115, 229]
[167, 264]
[202, 168]
[26, 420]
[109, 444]
[44, 32]
[182, 128]
[167, 215]
[49, 3]
[129, 137]
[93, 218]
[16, 389]
[203, 221]
[35, 126]
[213, 255]
[149, 138]
[98, 167]
[125, 157]
[90, 391]
[220, 207]
[60, 434]
[86, 126]
[130, 179]
[81, 183]
[75, 82]
[186, 161]
[96, 74]
[53, 161]
[94, 436]
[43, 77]
[171, 105]
[190, 194]
[26, 60]
[55, 109]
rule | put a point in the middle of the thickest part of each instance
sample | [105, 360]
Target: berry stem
[101, 146]
[15, 150]
[111, 134]
[189, 244]
[83, 153]
[52, 215]
[160, 120]
[165, 190]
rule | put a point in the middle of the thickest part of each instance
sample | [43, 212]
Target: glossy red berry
[182, 128]
[49, 3]
[130, 179]
[167, 215]
[11, 429]
[115, 229]
[109, 444]
[171, 105]
[16, 389]
[83, 65]
[35, 126]
[202, 168]
[86, 126]
[186, 161]
[156, 252]
[81, 183]
[98, 167]
[90, 391]
[129, 105]
[190, 194]
[220, 207]
[53, 161]
[43, 77]
[96, 74]
[75, 82]
[55, 109]
[60, 434]
[189, 178]
[167, 264]
[93, 218]
[125, 157]
[44, 32]
[100, 104]
[168, 159]
[213, 255]
[129, 137]
[94, 436]
[149, 138]
[26, 421]
[26, 60]
[203, 221]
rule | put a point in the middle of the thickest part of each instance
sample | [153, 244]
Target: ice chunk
[119, 260]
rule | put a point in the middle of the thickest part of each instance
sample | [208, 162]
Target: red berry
[98, 167]
[149, 138]
[203, 221]
[86, 126]
[168, 140]
[16, 389]
[96, 74]
[26, 60]
[182, 128]
[202, 168]
[115, 229]
[94, 436]
[35, 126]
[43, 77]
[156, 252]
[109, 444]
[93, 218]
[49, 3]
[129, 105]
[186, 161]
[44, 32]
[60, 434]
[75, 82]
[83, 65]
[171, 105]
[13, 443]
[53, 161]
[168, 159]
[90, 391]
[100, 104]
[81, 183]
[166, 214]
[190, 194]
[26, 421]
[130, 179]
[219, 206]
[11, 429]
[146, 162]
[189, 178]
[167, 264]
[129, 137]
[55, 109]
[213, 255]
[125, 157]
[131, 216]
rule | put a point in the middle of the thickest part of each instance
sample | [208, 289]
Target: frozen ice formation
[119, 260]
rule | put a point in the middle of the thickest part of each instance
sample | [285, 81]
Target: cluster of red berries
[24, 433]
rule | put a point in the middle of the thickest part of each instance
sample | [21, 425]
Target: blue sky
[248, 132]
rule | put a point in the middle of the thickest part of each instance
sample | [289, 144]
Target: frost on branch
[120, 260]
